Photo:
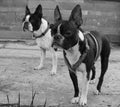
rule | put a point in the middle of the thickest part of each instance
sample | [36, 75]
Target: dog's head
[66, 32]
[32, 21]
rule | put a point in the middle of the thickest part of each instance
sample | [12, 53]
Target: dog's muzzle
[57, 37]
[58, 40]
[25, 26]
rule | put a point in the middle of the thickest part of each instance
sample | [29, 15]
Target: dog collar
[43, 34]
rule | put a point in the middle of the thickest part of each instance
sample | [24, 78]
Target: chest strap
[73, 67]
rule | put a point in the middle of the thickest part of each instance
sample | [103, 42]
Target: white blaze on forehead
[58, 30]
[81, 36]
[27, 18]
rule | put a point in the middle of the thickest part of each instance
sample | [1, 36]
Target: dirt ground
[18, 76]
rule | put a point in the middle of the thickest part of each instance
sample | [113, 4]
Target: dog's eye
[53, 32]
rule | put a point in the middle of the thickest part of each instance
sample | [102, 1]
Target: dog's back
[103, 51]
[98, 40]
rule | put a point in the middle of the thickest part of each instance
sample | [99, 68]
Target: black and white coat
[69, 36]
[37, 25]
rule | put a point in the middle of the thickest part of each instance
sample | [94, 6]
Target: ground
[17, 75]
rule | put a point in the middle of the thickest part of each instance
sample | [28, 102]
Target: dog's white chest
[73, 56]
[72, 60]
[45, 41]
[82, 67]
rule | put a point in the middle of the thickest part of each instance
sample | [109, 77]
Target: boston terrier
[39, 27]
[81, 50]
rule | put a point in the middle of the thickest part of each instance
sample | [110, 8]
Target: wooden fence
[102, 16]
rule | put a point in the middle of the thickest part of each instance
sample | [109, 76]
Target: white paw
[96, 92]
[83, 101]
[75, 100]
[53, 72]
[92, 81]
[38, 68]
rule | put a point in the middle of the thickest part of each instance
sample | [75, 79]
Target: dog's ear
[27, 11]
[76, 15]
[38, 10]
[57, 14]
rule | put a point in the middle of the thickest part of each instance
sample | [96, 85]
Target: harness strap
[96, 43]
[73, 67]
[43, 34]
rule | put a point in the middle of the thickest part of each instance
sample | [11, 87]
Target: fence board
[101, 16]
[45, 4]
[15, 34]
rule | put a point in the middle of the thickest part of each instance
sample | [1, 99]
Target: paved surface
[26, 49]
[17, 61]
[29, 49]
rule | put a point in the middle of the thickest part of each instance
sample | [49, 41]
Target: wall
[101, 16]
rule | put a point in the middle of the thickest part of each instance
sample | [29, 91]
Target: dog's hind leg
[104, 63]
[54, 62]
[42, 58]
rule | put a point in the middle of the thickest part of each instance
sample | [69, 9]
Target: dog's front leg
[74, 79]
[54, 62]
[85, 84]
[42, 58]
[93, 72]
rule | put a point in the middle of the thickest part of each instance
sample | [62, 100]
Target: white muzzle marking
[30, 28]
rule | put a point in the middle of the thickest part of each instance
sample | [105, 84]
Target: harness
[96, 43]
[73, 67]
[42, 34]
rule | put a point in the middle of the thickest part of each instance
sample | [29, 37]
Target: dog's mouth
[23, 27]
[27, 30]
[56, 44]
[27, 27]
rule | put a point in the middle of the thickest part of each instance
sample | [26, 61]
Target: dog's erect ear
[57, 14]
[38, 10]
[76, 15]
[27, 11]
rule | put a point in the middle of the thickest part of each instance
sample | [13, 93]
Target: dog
[81, 50]
[40, 28]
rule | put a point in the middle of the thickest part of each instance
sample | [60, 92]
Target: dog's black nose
[57, 37]
[25, 25]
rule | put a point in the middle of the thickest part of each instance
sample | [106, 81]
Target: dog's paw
[75, 100]
[83, 101]
[97, 92]
[92, 81]
[53, 72]
[38, 68]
